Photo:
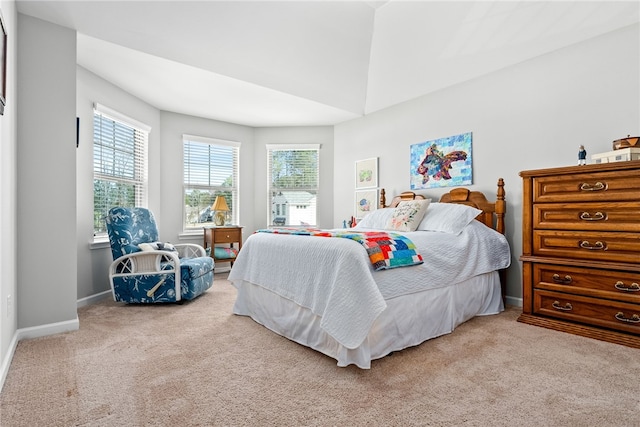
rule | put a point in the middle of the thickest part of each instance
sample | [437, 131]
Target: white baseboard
[517, 302]
[50, 329]
[6, 361]
[33, 332]
[94, 298]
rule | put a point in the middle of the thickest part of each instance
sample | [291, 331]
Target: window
[293, 184]
[210, 170]
[119, 164]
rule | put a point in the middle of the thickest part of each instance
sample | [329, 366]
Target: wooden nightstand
[230, 236]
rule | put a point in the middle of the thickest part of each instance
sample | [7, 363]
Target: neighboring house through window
[210, 170]
[119, 164]
[293, 184]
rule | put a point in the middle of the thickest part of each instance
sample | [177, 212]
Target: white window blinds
[119, 164]
[293, 182]
[210, 169]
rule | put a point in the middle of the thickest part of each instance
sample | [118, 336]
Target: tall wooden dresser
[581, 250]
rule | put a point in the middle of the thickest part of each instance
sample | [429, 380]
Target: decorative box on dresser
[581, 250]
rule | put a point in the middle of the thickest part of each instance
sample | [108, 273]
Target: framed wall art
[366, 202]
[444, 162]
[367, 173]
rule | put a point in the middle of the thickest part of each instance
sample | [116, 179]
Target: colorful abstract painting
[444, 162]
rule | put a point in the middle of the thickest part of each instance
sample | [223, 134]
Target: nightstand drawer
[600, 246]
[587, 187]
[612, 216]
[592, 311]
[229, 235]
[611, 284]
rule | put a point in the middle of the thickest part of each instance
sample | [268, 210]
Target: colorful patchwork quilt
[385, 250]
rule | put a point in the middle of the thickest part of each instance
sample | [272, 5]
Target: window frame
[139, 157]
[234, 189]
[271, 189]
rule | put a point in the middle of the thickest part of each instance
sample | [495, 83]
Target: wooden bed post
[383, 199]
[500, 207]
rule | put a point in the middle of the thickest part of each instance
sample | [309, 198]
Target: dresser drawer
[612, 216]
[587, 187]
[615, 315]
[601, 246]
[610, 284]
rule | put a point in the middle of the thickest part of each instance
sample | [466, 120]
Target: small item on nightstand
[582, 155]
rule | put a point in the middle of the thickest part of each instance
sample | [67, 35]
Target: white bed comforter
[333, 277]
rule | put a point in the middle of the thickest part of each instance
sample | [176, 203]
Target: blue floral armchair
[145, 270]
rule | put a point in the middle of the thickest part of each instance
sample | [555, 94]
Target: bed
[329, 295]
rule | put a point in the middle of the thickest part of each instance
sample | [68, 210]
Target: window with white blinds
[119, 164]
[210, 170]
[293, 182]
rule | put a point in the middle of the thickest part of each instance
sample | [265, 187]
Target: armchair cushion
[193, 268]
[128, 227]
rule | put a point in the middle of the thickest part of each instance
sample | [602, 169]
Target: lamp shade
[220, 207]
[220, 204]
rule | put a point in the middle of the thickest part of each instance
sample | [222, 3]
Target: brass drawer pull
[597, 246]
[565, 280]
[567, 306]
[598, 186]
[621, 287]
[634, 319]
[598, 216]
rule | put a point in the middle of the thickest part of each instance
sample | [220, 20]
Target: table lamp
[220, 208]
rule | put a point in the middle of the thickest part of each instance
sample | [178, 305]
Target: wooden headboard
[492, 213]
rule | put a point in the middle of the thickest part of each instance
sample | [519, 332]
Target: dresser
[581, 250]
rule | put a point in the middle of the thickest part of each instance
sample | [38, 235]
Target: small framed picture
[366, 201]
[367, 173]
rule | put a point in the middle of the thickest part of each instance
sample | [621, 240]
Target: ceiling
[304, 63]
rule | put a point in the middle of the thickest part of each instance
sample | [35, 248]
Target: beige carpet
[196, 364]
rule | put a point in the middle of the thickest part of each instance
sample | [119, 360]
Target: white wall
[322, 135]
[46, 172]
[529, 116]
[8, 201]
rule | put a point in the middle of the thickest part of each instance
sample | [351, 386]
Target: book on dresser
[581, 250]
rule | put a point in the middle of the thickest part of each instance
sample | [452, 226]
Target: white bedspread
[334, 278]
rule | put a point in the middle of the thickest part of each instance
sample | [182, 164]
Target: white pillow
[155, 246]
[448, 217]
[407, 215]
[377, 219]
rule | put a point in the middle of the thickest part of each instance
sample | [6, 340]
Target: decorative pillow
[225, 253]
[376, 220]
[448, 217]
[407, 215]
[157, 246]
